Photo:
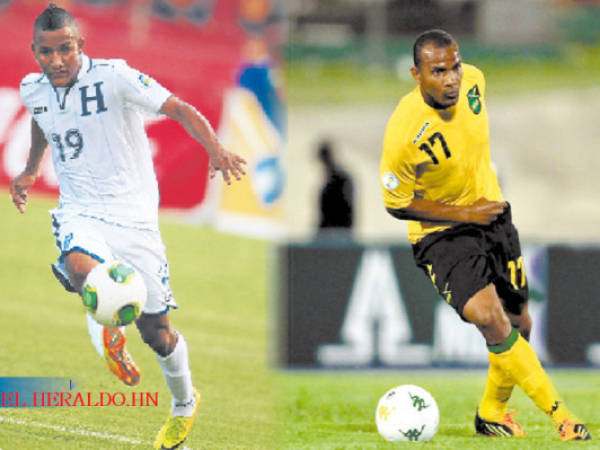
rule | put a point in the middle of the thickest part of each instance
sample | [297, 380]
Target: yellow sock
[518, 358]
[498, 389]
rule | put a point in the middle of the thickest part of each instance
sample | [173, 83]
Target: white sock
[176, 370]
[95, 330]
[97, 334]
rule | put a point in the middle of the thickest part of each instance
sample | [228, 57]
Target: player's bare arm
[200, 129]
[482, 212]
[22, 182]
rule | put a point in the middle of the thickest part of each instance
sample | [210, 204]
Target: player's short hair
[54, 18]
[439, 38]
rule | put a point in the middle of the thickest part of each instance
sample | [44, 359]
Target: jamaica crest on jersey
[474, 99]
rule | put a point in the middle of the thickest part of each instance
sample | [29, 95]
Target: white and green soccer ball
[407, 413]
[114, 293]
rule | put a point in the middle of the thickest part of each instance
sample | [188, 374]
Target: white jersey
[99, 145]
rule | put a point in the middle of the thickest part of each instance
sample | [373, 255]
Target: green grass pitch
[221, 284]
[336, 410]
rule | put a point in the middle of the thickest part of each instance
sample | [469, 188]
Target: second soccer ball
[407, 413]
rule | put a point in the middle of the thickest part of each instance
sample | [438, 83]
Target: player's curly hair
[440, 38]
[54, 18]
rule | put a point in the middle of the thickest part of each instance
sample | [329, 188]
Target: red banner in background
[193, 48]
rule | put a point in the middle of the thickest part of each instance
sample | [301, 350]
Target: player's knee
[78, 267]
[490, 318]
[161, 339]
[77, 277]
[77, 280]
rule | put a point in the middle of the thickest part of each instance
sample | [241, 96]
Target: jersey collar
[86, 66]
[448, 112]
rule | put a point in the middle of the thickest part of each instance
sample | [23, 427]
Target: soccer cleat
[176, 428]
[507, 427]
[572, 431]
[117, 358]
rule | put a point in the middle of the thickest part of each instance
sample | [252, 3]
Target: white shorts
[105, 242]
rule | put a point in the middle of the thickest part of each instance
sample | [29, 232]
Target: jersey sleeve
[26, 90]
[398, 169]
[140, 90]
[29, 92]
[477, 76]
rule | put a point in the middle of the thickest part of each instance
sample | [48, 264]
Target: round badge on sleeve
[389, 181]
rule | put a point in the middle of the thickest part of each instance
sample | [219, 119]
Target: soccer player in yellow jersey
[436, 173]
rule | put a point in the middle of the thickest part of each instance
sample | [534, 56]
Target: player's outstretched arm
[22, 182]
[198, 127]
[482, 212]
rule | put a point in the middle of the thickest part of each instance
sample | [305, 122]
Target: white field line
[79, 432]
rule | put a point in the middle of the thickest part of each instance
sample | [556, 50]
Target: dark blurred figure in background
[336, 199]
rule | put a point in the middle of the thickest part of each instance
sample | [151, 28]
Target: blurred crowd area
[488, 20]
[255, 16]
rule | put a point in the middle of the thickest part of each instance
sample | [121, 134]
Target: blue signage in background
[348, 305]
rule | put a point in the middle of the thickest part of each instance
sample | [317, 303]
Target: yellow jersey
[439, 155]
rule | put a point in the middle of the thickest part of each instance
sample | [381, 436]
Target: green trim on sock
[507, 344]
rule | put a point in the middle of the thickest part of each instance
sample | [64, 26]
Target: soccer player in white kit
[89, 112]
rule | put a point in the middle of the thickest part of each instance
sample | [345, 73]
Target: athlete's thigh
[78, 265]
[511, 280]
[145, 250]
[457, 265]
[81, 245]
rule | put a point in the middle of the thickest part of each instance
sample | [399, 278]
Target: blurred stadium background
[348, 65]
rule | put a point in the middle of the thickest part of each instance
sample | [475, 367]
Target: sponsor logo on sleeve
[421, 132]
